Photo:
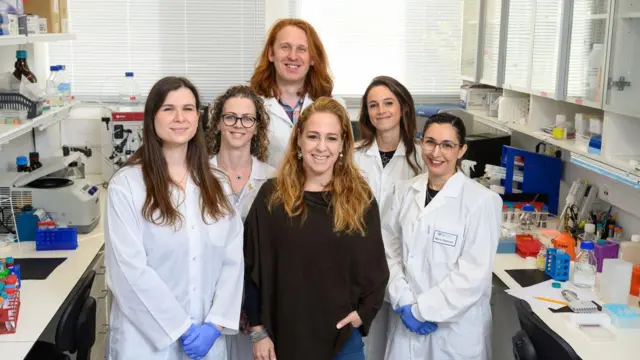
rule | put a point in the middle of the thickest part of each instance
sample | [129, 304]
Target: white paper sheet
[546, 290]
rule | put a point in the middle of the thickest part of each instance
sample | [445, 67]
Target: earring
[341, 159]
[299, 154]
[341, 155]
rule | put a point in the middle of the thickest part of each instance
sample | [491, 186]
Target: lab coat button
[193, 227]
[193, 258]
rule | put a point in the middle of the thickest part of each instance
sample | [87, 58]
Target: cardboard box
[32, 24]
[43, 25]
[49, 9]
[64, 16]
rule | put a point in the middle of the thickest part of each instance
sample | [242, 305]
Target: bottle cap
[11, 280]
[21, 54]
[528, 208]
[21, 160]
[587, 245]
[545, 208]
[556, 285]
[590, 228]
[8, 259]
[635, 237]
[10, 291]
[128, 74]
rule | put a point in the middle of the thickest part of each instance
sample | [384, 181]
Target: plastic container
[527, 246]
[623, 316]
[541, 261]
[128, 93]
[558, 264]
[9, 312]
[56, 239]
[543, 217]
[52, 94]
[64, 85]
[585, 268]
[527, 219]
[607, 250]
[630, 250]
[615, 281]
[506, 246]
[13, 117]
[635, 281]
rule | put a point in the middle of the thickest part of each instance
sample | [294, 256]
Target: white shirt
[441, 260]
[260, 173]
[163, 280]
[382, 180]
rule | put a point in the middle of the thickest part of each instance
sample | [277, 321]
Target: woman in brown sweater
[315, 265]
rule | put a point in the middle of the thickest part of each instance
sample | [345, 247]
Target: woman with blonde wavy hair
[315, 265]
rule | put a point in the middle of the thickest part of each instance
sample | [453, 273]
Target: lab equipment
[579, 306]
[580, 196]
[597, 332]
[615, 281]
[527, 246]
[595, 145]
[74, 203]
[128, 94]
[630, 250]
[623, 316]
[543, 217]
[584, 269]
[635, 281]
[27, 222]
[506, 245]
[557, 264]
[527, 219]
[605, 249]
[53, 238]
[64, 85]
[556, 285]
[566, 242]
[22, 68]
[22, 165]
[52, 95]
[542, 258]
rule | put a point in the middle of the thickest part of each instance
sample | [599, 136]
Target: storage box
[31, 24]
[64, 16]
[43, 25]
[472, 98]
[12, 7]
[10, 24]
[49, 9]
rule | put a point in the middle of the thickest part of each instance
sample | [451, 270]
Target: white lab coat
[382, 182]
[164, 280]
[280, 128]
[260, 173]
[441, 259]
[239, 346]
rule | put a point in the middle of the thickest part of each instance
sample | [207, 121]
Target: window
[415, 41]
[213, 43]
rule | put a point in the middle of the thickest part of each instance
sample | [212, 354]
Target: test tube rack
[558, 264]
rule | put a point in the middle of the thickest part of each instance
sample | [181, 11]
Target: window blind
[546, 45]
[213, 43]
[519, 37]
[418, 42]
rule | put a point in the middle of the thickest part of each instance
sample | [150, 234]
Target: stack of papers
[553, 296]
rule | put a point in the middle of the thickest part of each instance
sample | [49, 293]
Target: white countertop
[624, 347]
[41, 299]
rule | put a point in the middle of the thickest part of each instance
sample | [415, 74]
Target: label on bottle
[584, 280]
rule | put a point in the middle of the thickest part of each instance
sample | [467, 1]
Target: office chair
[536, 340]
[76, 329]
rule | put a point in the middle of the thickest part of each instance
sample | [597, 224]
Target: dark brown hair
[158, 207]
[407, 120]
[317, 83]
[259, 141]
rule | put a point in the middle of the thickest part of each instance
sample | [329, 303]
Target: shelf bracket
[621, 83]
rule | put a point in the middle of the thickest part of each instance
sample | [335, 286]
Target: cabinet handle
[105, 292]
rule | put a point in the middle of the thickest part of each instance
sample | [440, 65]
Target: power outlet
[606, 192]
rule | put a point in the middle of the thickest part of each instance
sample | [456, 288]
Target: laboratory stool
[536, 340]
[76, 329]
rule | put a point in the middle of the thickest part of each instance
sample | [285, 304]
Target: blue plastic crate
[558, 265]
[57, 239]
[507, 246]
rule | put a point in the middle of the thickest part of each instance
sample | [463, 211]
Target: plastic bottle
[22, 164]
[541, 259]
[594, 72]
[630, 250]
[22, 68]
[544, 217]
[584, 269]
[34, 160]
[129, 93]
[51, 89]
[527, 218]
[64, 85]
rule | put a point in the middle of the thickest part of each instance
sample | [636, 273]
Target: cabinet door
[587, 54]
[494, 42]
[519, 37]
[469, 66]
[623, 85]
[547, 41]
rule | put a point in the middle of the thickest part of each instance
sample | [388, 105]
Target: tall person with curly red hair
[291, 73]
[316, 272]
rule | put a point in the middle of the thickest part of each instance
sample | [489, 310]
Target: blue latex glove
[427, 327]
[198, 340]
[408, 319]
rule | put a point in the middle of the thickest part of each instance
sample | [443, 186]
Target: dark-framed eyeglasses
[447, 147]
[231, 120]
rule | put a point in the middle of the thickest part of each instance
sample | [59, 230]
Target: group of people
[268, 233]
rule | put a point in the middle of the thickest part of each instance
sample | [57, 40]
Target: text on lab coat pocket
[446, 244]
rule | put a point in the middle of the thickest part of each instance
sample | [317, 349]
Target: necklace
[237, 175]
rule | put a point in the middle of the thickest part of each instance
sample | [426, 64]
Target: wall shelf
[6, 40]
[10, 132]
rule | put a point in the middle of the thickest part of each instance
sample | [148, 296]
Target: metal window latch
[621, 83]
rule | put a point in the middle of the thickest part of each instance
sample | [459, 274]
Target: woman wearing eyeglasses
[441, 236]
[238, 142]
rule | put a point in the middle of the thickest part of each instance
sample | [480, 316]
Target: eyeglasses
[447, 147]
[231, 120]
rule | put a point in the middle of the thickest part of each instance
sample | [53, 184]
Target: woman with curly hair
[315, 271]
[238, 143]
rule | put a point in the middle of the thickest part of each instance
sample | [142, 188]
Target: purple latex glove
[198, 340]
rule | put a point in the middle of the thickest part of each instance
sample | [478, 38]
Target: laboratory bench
[625, 345]
[41, 300]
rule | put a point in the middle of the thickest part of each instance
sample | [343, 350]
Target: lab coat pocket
[446, 243]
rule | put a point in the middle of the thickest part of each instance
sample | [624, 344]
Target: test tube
[617, 236]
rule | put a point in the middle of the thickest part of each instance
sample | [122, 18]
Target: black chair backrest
[547, 344]
[86, 329]
[522, 347]
[66, 339]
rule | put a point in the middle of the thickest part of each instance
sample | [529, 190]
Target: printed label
[443, 238]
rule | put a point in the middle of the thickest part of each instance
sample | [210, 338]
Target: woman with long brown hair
[238, 142]
[315, 268]
[387, 153]
[173, 243]
[291, 73]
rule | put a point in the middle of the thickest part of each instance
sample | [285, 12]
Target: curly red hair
[318, 82]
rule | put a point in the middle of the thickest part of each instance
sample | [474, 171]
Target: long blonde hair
[350, 193]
